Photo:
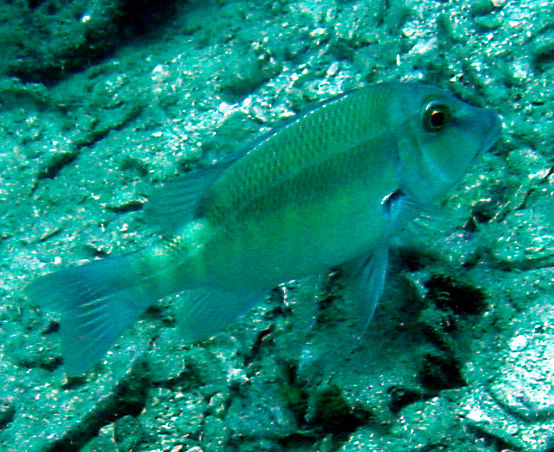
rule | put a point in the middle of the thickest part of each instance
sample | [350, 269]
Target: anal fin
[210, 310]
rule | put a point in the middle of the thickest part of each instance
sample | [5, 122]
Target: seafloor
[103, 100]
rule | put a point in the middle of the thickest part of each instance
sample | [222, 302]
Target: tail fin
[98, 301]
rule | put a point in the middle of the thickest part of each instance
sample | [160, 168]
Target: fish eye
[436, 116]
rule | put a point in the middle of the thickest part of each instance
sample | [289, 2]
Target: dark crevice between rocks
[299, 441]
[122, 24]
[133, 205]
[401, 397]
[439, 371]
[411, 259]
[330, 295]
[54, 163]
[544, 53]
[33, 4]
[262, 338]
[443, 319]
[447, 305]
[127, 399]
[7, 413]
[295, 396]
[455, 296]
[140, 17]
[332, 414]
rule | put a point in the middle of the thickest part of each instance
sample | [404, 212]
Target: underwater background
[103, 101]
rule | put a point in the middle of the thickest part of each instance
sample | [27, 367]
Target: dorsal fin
[174, 204]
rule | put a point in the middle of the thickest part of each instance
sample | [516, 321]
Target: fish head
[439, 139]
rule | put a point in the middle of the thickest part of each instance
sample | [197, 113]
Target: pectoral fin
[364, 279]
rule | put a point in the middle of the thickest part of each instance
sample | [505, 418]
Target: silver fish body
[327, 189]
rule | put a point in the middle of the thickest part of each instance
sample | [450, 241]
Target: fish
[325, 190]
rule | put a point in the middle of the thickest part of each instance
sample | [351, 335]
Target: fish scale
[300, 144]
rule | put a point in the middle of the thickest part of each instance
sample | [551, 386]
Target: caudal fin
[98, 301]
